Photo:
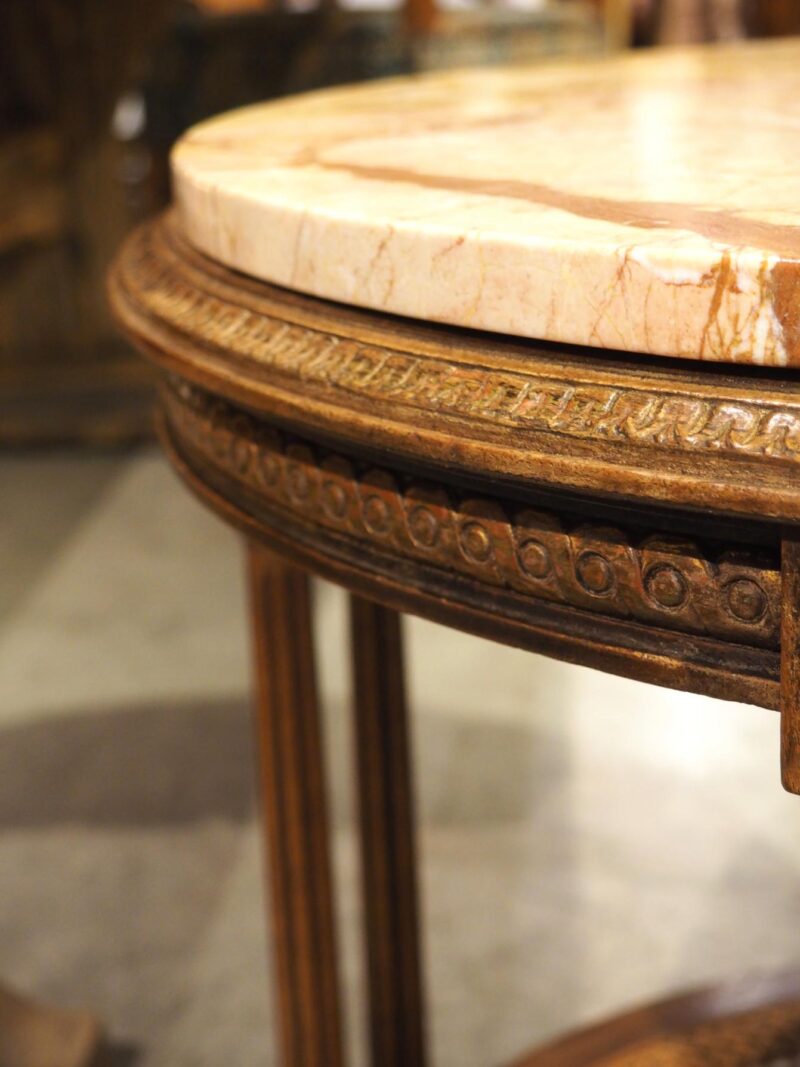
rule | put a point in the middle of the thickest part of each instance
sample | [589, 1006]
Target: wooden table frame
[631, 514]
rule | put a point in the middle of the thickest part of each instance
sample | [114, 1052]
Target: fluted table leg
[295, 809]
[397, 1029]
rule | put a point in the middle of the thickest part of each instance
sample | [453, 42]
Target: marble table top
[649, 203]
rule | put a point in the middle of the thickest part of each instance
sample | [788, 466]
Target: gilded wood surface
[466, 400]
[397, 1015]
[790, 664]
[732, 592]
[593, 411]
[294, 801]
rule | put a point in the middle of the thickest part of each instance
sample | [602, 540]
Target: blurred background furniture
[684, 21]
[92, 97]
[63, 67]
[614, 486]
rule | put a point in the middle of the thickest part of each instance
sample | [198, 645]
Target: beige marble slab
[649, 203]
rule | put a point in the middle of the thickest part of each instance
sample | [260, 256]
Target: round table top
[648, 203]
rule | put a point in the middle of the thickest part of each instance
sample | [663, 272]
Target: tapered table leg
[397, 1029]
[295, 809]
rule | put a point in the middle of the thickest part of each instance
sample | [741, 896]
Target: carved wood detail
[725, 591]
[583, 410]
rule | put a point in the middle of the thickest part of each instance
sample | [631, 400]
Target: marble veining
[649, 203]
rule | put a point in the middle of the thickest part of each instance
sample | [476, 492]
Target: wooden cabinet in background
[64, 190]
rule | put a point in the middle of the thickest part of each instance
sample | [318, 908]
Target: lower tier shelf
[753, 1023]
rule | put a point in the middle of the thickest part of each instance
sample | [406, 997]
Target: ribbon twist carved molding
[732, 593]
[634, 416]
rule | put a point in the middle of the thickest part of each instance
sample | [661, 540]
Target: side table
[582, 437]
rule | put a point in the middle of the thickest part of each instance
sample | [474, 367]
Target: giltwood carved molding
[470, 402]
[646, 586]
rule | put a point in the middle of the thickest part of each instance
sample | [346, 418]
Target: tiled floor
[587, 842]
